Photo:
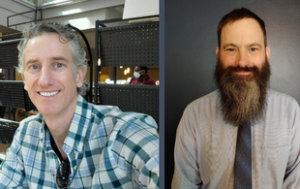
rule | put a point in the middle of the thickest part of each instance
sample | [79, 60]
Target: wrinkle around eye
[33, 67]
[231, 50]
[58, 66]
[253, 49]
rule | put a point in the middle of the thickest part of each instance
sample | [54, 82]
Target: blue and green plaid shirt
[106, 149]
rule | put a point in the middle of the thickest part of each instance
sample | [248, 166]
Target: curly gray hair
[66, 34]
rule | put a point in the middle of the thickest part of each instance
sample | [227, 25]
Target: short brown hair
[238, 14]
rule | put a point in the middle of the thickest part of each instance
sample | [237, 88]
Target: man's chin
[243, 92]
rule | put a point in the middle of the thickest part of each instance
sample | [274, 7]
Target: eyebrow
[250, 45]
[254, 44]
[60, 58]
[229, 44]
[31, 61]
[53, 58]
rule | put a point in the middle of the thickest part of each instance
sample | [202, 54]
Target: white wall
[8, 8]
[81, 15]
[87, 12]
[140, 8]
[86, 20]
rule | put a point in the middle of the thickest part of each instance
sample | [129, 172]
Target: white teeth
[48, 93]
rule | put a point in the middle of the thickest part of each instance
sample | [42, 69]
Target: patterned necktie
[242, 164]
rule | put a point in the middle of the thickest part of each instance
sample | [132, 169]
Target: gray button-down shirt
[205, 145]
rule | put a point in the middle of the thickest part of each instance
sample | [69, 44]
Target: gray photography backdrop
[190, 59]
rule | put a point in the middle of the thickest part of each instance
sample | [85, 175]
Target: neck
[59, 146]
[59, 125]
[59, 129]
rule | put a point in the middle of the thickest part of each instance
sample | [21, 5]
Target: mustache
[238, 69]
[227, 72]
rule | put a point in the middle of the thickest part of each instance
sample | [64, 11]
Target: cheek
[258, 61]
[28, 83]
[228, 60]
[69, 82]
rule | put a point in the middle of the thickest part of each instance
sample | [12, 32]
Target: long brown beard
[243, 98]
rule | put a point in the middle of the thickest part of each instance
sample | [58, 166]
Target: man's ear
[268, 52]
[217, 51]
[25, 86]
[80, 76]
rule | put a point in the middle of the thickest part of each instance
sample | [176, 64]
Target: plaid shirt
[106, 149]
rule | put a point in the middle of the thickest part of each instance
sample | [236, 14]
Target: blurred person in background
[141, 76]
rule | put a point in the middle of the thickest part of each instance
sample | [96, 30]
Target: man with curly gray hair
[65, 35]
[72, 143]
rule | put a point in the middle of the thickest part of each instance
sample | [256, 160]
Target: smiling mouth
[243, 72]
[48, 93]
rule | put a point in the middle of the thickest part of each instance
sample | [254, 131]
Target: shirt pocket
[274, 164]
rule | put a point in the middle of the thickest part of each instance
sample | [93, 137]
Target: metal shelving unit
[128, 45]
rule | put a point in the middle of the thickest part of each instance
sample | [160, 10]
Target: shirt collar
[79, 126]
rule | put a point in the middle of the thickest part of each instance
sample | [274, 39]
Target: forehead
[246, 29]
[46, 46]
[137, 68]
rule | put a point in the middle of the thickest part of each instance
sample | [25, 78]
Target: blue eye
[59, 65]
[34, 67]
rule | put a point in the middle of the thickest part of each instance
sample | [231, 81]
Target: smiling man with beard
[243, 135]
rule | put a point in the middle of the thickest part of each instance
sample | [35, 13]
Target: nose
[242, 59]
[46, 77]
